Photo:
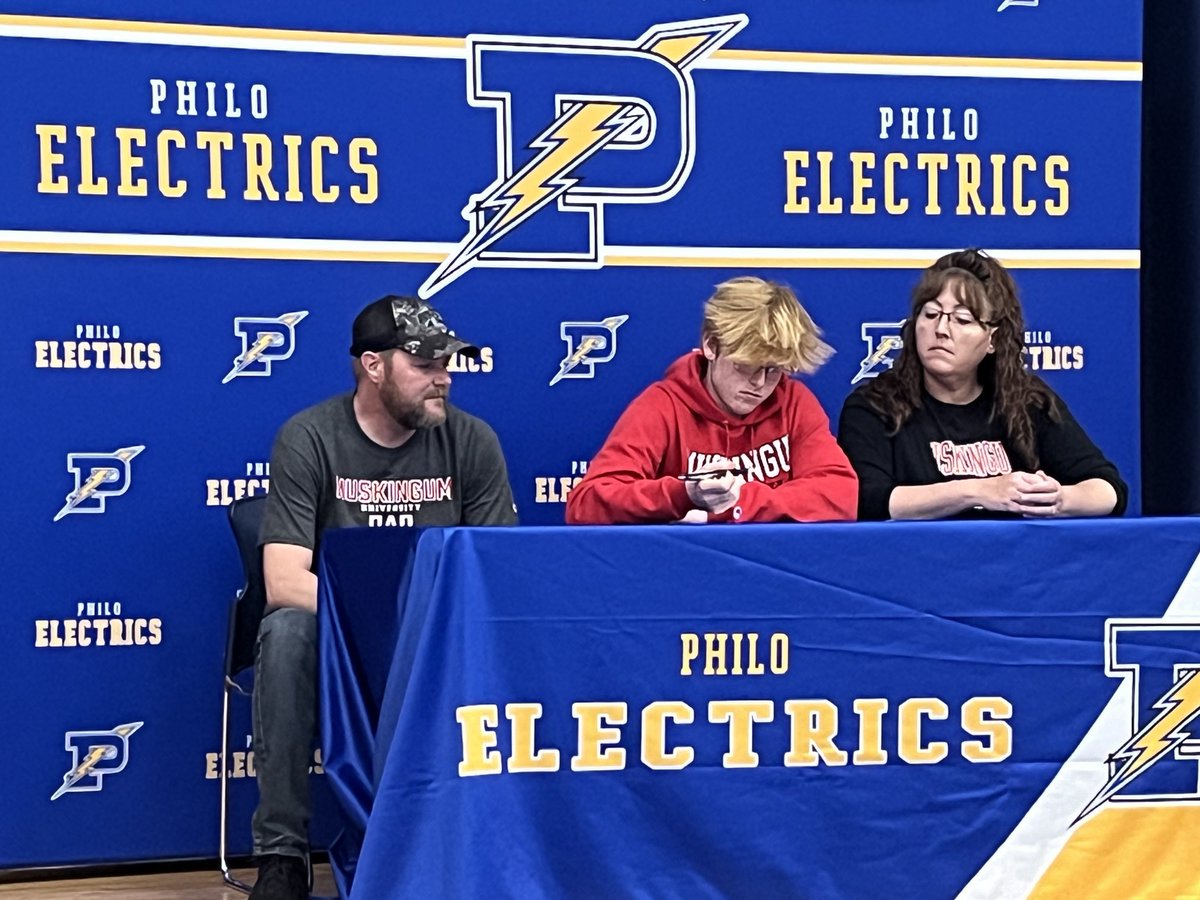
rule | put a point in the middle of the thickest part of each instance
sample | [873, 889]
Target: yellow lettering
[1056, 166]
[814, 725]
[594, 736]
[166, 140]
[654, 734]
[127, 139]
[215, 142]
[970, 173]
[779, 653]
[793, 161]
[870, 750]
[1021, 163]
[932, 164]
[980, 717]
[891, 163]
[48, 135]
[998, 161]
[258, 168]
[88, 182]
[690, 651]
[320, 144]
[369, 191]
[753, 666]
[741, 716]
[478, 737]
[736, 669]
[861, 162]
[829, 203]
[293, 142]
[714, 652]
[912, 750]
[524, 758]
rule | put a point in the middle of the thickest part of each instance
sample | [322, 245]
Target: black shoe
[281, 878]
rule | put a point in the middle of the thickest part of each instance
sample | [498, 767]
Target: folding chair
[246, 611]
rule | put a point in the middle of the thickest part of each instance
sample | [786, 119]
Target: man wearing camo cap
[392, 453]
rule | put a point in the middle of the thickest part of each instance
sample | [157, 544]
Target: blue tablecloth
[526, 712]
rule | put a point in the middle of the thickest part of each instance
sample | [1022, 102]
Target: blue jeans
[285, 711]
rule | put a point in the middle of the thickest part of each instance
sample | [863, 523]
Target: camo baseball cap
[405, 323]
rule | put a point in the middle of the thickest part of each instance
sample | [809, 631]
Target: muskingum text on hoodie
[766, 462]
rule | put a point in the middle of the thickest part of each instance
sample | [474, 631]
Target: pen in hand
[714, 473]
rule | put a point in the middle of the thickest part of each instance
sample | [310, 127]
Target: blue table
[821, 710]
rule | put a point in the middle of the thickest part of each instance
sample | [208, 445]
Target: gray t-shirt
[326, 473]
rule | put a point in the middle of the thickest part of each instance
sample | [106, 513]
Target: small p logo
[264, 341]
[588, 345]
[95, 754]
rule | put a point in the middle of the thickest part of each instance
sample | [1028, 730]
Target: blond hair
[761, 323]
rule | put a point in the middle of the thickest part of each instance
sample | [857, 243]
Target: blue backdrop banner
[197, 200]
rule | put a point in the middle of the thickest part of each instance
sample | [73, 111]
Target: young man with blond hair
[728, 435]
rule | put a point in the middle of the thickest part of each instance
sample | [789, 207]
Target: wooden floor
[202, 885]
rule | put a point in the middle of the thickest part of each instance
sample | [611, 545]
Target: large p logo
[563, 110]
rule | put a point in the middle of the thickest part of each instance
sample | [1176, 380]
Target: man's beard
[413, 415]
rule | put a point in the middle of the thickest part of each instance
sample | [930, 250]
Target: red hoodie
[794, 468]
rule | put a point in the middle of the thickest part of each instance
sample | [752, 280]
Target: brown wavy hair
[984, 287]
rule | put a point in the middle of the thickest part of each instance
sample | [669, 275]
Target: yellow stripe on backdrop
[418, 45]
[1127, 852]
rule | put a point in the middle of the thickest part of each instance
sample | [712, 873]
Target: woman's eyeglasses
[959, 318]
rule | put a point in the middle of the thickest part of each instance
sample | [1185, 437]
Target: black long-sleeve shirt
[945, 442]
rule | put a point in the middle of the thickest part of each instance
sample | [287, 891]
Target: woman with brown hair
[958, 427]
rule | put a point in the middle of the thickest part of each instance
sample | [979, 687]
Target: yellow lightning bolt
[1163, 733]
[253, 352]
[98, 477]
[579, 132]
[85, 766]
[889, 343]
[582, 128]
[586, 346]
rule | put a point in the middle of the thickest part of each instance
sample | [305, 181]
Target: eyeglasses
[959, 318]
[753, 372]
